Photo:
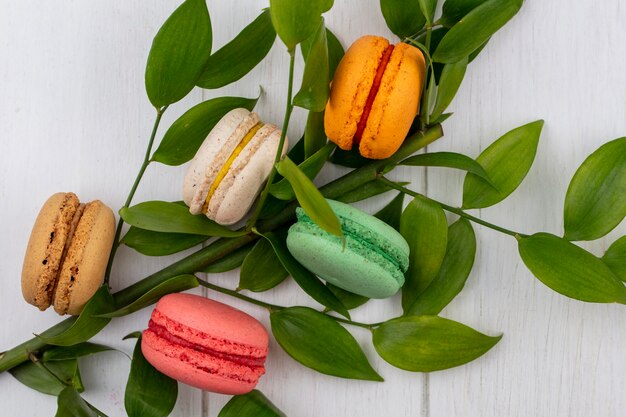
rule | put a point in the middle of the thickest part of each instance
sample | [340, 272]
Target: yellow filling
[220, 175]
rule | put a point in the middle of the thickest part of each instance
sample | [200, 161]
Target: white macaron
[231, 166]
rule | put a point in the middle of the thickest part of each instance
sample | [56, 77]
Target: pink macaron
[205, 344]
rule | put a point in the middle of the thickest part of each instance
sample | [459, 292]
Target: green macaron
[371, 264]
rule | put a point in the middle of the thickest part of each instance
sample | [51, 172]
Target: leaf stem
[281, 145]
[451, 209]
[131, 194]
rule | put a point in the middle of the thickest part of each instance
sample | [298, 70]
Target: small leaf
[404, 18]
[320, 343]
[239, 56]
[72, 352]
[86, 325]
[149, 393]
[310, 198]
[424, 226]
[37, 378]
[429, 343]
[596, 198]
[295, 21]
[506, 161]
[261, 270]
[455, 268]
[310, 167]
[175, 284]
[252, 404]
[474, 29]
[570, 270]
[70, 403]
[162, 216]
[183, 139]
[229, 262]
[178, 53]
[455, 10]
[367, 190]
[303, 277]
[150, 243]
[615, 258]
[313, 93]
[428, 99]
[449, 83]
[314, 135]
[441, 119]
[335, 53]
[448, 160]
[392, 212]
[348, 299]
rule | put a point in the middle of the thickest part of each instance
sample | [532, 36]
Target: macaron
[375, 96]
[205, 344]
[67, 253]
[372, 263]
[231, 166]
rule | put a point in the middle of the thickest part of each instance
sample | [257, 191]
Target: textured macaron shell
[209, 345]
[372, 263]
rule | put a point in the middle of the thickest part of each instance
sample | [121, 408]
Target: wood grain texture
[74, 117]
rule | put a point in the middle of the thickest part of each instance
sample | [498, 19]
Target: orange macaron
[375, 96]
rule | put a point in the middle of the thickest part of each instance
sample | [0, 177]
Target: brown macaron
[67, 253]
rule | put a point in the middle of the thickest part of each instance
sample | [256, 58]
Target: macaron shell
[396, 103]
[246, 177]
[350, 87]
[45, 248]
[85, 262]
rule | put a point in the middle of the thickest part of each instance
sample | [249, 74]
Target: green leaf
[404, 18]
[449, 83]
[596, 198]
[313, 93]
[320, 343]
[229, 262]
[252, 404]
[175, 284]
[335, 53]
[314, 134]
[392, 212]
[441, 119]
[34, 376]
[455, 10]
[150, 243]
[70, 403]
[303, 277]
[448, 160]
[506, 161]
[86, 325]
[427, 7]
[424, 226]
[455, 268]
[261, 270]
[162, 216]
[350, 159]
[570, 270]
[72, 352]
[310, 167]
[295, 21]
[615, 258]
[477, 52]
[429, 343]
[310, 198]
[347, 298]
[239, 56]
[178, 53]
[474, 29]
[367, 190]
[183, 139]
[149, 393]
[428, 99]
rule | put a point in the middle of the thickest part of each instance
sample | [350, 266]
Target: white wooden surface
[74, 117]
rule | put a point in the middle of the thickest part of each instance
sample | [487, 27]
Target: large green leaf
[424, 226]
[392, 212]
[149, 393]
[404, 18]
[320, 343]
[70, 403]
[56, 378]
[615, 258]
[455, 10]
[570, 270]
[183, 139]
[313, 93]
[314, 134]
[150, 243]
[506, 161]
[448, 160]
[596, 198]
[429, 343]
[178, 54]
[62, 353]
[296, 20]
[449, 83]
[239, 56]
[474, 29]
[252, 404]
[455, 268]
[261, 269]
[310, 198]
[162, 216]
[348, 299]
